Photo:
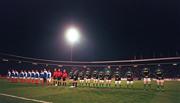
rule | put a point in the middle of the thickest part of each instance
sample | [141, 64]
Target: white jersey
[49, 74]
[9, 74]
[22, 74]
[37, 75]
[41, 74]
[25, 74]
[45, 74]
[17, 74]
[29, 74]
[33, 74]
[13, 73]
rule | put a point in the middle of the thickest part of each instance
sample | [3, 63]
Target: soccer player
[101, 78]
[25, 74]
[64, 76]
[28, 76]
[41, 77]
[32, 76]
[45, 76]
[147, 79]
[88, 77]
[95, 78]
[13, 76]
[16, 75]
[36, 77]
[9, 75]
[21, 76]
[117, 77]
[81, 78]
[59, 76]
[159, 79]
[71, 77]
[55, 77]
[75, 78]
[49, 77]
[108, 77]
[129, 76]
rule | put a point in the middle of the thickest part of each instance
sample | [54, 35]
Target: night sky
[111, 30]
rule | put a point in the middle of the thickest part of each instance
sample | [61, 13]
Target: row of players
[104, 77]
[99, 78]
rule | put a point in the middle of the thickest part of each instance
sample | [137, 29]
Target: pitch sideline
[23, 98]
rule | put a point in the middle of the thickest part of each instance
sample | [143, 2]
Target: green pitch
[90, 95]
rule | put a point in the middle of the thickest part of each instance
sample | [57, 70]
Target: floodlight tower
[72, 35]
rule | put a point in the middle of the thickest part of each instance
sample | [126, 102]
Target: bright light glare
[72, 35]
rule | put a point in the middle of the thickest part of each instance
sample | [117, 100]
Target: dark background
[111, 30]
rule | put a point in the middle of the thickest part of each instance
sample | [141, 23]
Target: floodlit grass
[91, 95]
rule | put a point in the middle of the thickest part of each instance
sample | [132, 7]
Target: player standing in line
[117, 77]
[108, 77]
[147, 79]
[129, 76]
[25, 76]
[71, 77]
[59, 76]
[55, 77]
[75, 78]
[45, 76]
[64, 76]
[32, 76]
[95, 78]
[9, 75]
[160, 79]
[28, 76]
[49, 81]
[21, 76]
[16, 76]
[88, 77]
[101, 78]
[36, 77]
[13, 76]
[81, 78]
[41, 77]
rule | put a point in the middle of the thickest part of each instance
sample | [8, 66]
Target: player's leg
[64, 81]
[128, 82]
[158, 83]
[89, 82]
[119, 82]
[83, 82]
[75, 82]
[109, 83]
[162, 84]
[145, 83]
[116, 83]
[149, 83]
[132, 84]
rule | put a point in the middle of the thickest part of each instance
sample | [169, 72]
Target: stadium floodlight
[72, 35]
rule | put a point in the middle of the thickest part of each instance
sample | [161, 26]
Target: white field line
[23, 98]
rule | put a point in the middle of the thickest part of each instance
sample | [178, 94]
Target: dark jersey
[101, 75]
[88, 74]
[159, 74]
[117, 76]
[95, 75]
[146, 73]
[108, 75]
[22, 74]
[75, 75]
[129, 76]
[81, 75]
[71, 75]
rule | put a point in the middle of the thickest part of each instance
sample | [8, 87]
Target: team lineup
[88, 78]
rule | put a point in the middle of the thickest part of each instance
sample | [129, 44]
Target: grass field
[90, 95]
